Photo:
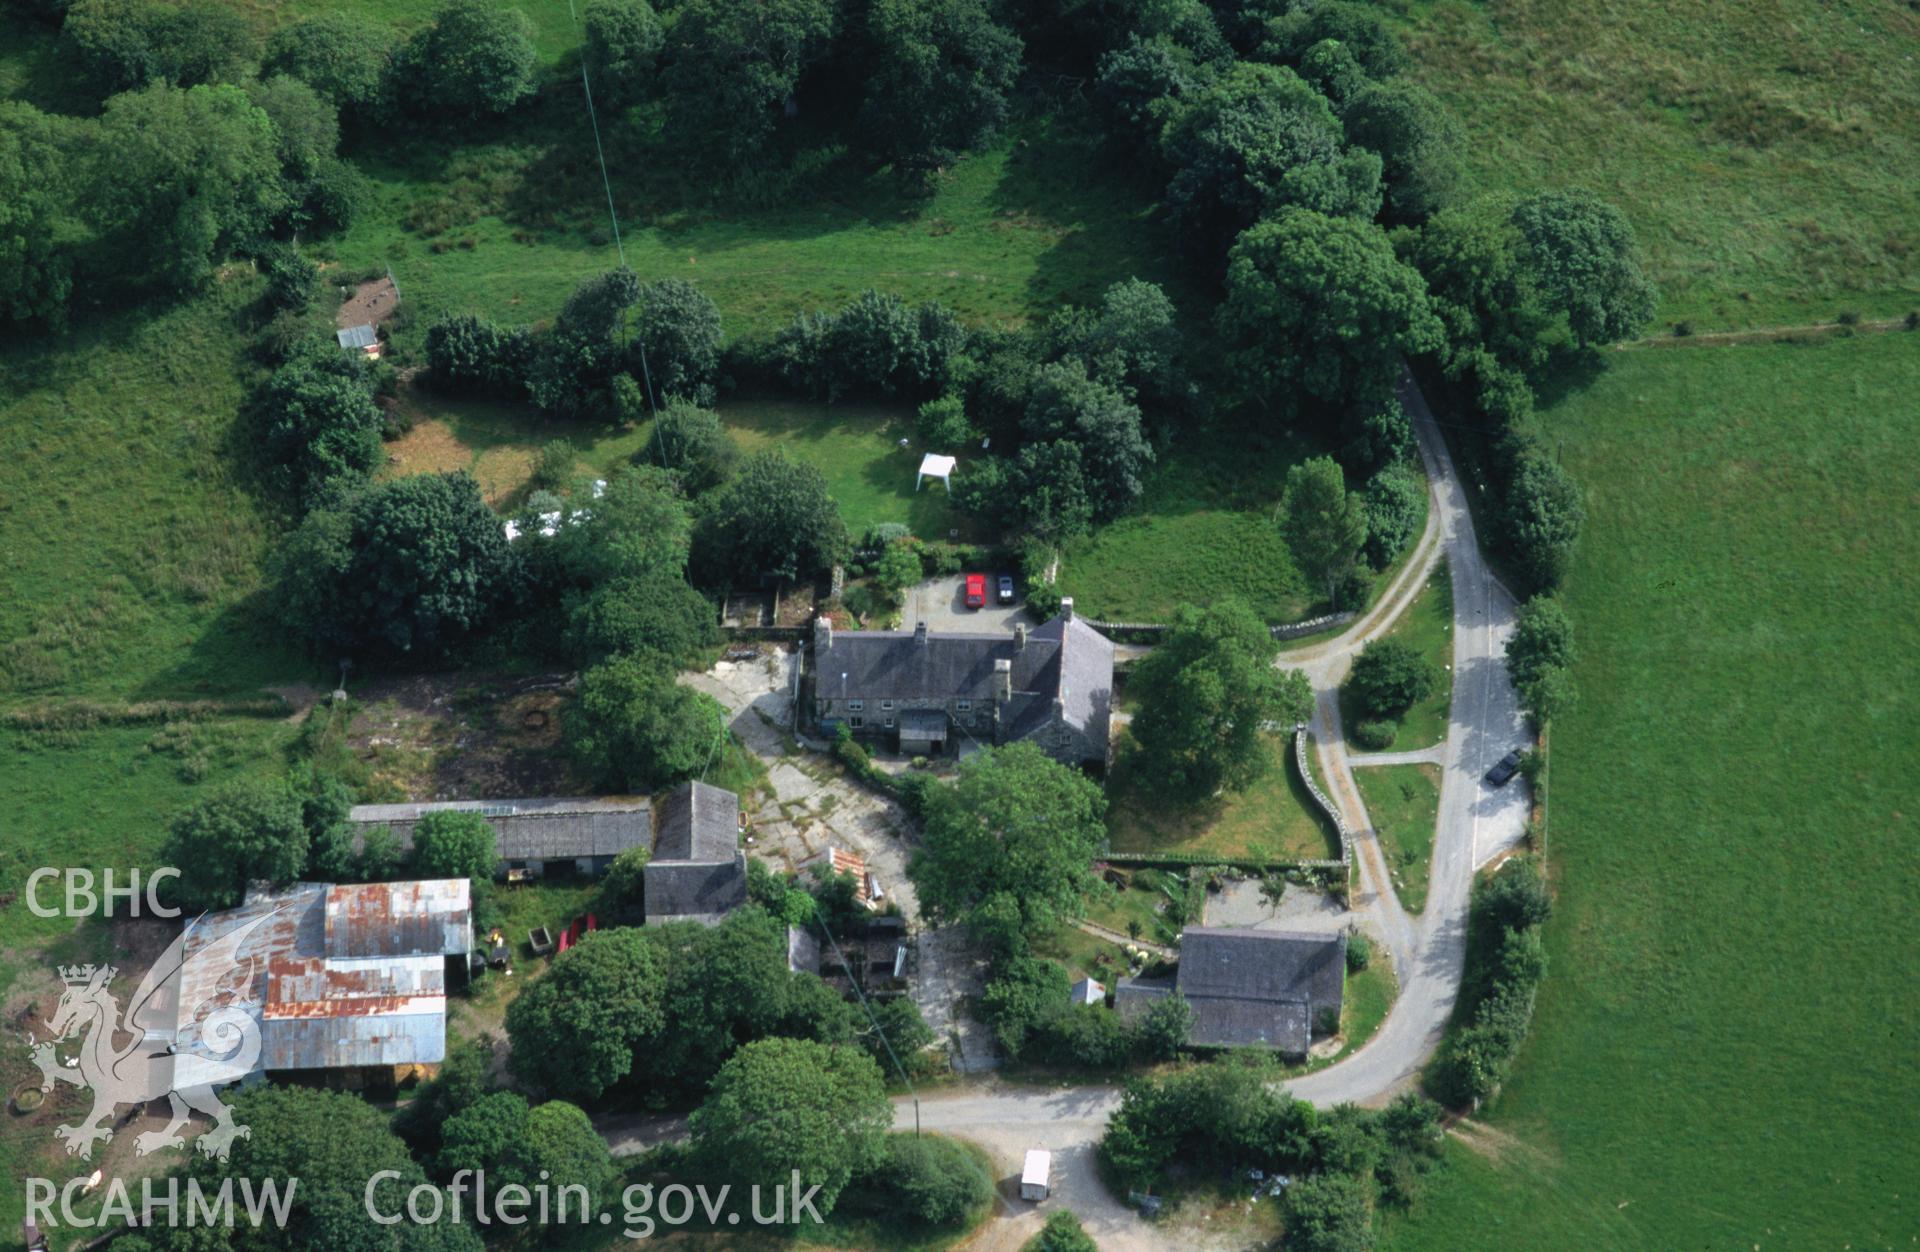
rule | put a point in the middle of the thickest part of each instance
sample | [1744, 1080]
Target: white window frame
[856, 706]
[856, 722]
[963, 706]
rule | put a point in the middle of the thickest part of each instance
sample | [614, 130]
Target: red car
[976, 591]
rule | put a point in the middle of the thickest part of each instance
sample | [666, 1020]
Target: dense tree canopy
[1390, 676]
[1065, 404]
[677, 330]
[36, 275]
[1321, 304]
[1582, 251]
[452, 844]
[1258, 140]
[775, 517]
[476, 58]
[319, 420]
[733, 68]
[179, 176]
[1542, 518]
[1396, 500]
[123, 44]
[1017, 829]
[575, 1029]
[402, 568]
[1203, 696]
[623, 42]
[781, 1105]
[693, 443]
[1481, 286]
[1418, 143]
[1540, 657]
[633, 729]
[244, 831]
[342, 56]
[941, 71]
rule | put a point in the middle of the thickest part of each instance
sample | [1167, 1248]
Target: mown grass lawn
[1402, 801]
[1427, 626]
[1273, 820]
[1204, 529]
[1755, 144]
[1723, 1049]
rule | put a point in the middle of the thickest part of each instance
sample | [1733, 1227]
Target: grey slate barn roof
[697, 872]
[563, 829]
[1248, 987]
[1064, 659]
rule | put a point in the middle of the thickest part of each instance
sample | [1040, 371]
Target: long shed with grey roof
[581, 833]
[1250, 988]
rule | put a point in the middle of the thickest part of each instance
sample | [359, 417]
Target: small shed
[361, 339]
[1088, 991]
[933, 465]
[1036, 1177]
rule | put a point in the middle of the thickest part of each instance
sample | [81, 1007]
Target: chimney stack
[1066, 608]
[1002, 681]
[1020, 637]
[920, 633]
[823, 633]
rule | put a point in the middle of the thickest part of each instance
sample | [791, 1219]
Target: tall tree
[623, 42]
[784, 1105]
[1583, 252]
[776, 517]
[403, 569]
[677, 341]
[1324, 523]
[1418, 143]
[1321, 304]
[633, 728]
[732, 70]
[1481, 286]
[177, 177]
[1064, 403]
[1011, 845]
[244, 831]
[575, 1029]
[475, 58]
[342, 56]
[448, 843]
[939, 79]
[1204, 695]
[1255, 141]
[124, 44]
[36, 154]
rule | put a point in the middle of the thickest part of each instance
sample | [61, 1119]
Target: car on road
[1504, 769]
[1006, 588]
[976, 591]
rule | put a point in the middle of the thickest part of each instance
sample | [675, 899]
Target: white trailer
[1036, 1179]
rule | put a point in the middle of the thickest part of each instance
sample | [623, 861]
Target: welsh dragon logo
[185, 1065]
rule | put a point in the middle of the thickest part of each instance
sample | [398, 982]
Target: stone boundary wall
[1319, 796]
[1290, 630]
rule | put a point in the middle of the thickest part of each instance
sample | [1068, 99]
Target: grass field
[1723, 1049]
[1273, 820]
[1204, 529]
[1428, 626]
[1758, 146]
[505, 219]
[1402, 801]
[129, 542]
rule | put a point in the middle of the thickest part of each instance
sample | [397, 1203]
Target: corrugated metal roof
[336, 976]
[357, 337]
[400, 918]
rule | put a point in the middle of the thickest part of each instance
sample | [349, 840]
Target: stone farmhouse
[932, 692]
[1250, 988]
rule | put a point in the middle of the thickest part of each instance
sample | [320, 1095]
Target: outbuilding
[1036, 1178]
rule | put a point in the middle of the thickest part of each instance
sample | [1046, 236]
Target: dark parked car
[1504, 769]
[1006, 589]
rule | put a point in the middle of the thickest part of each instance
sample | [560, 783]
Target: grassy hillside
[128, 542]
[1723, 1051]
[1764, 149]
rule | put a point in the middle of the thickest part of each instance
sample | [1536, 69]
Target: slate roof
[1063, 660]
[698, 871]
[336, 976]
[1248, 987]
[529, 830]
[698, 823]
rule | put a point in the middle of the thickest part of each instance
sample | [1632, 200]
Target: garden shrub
[1375, 736]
